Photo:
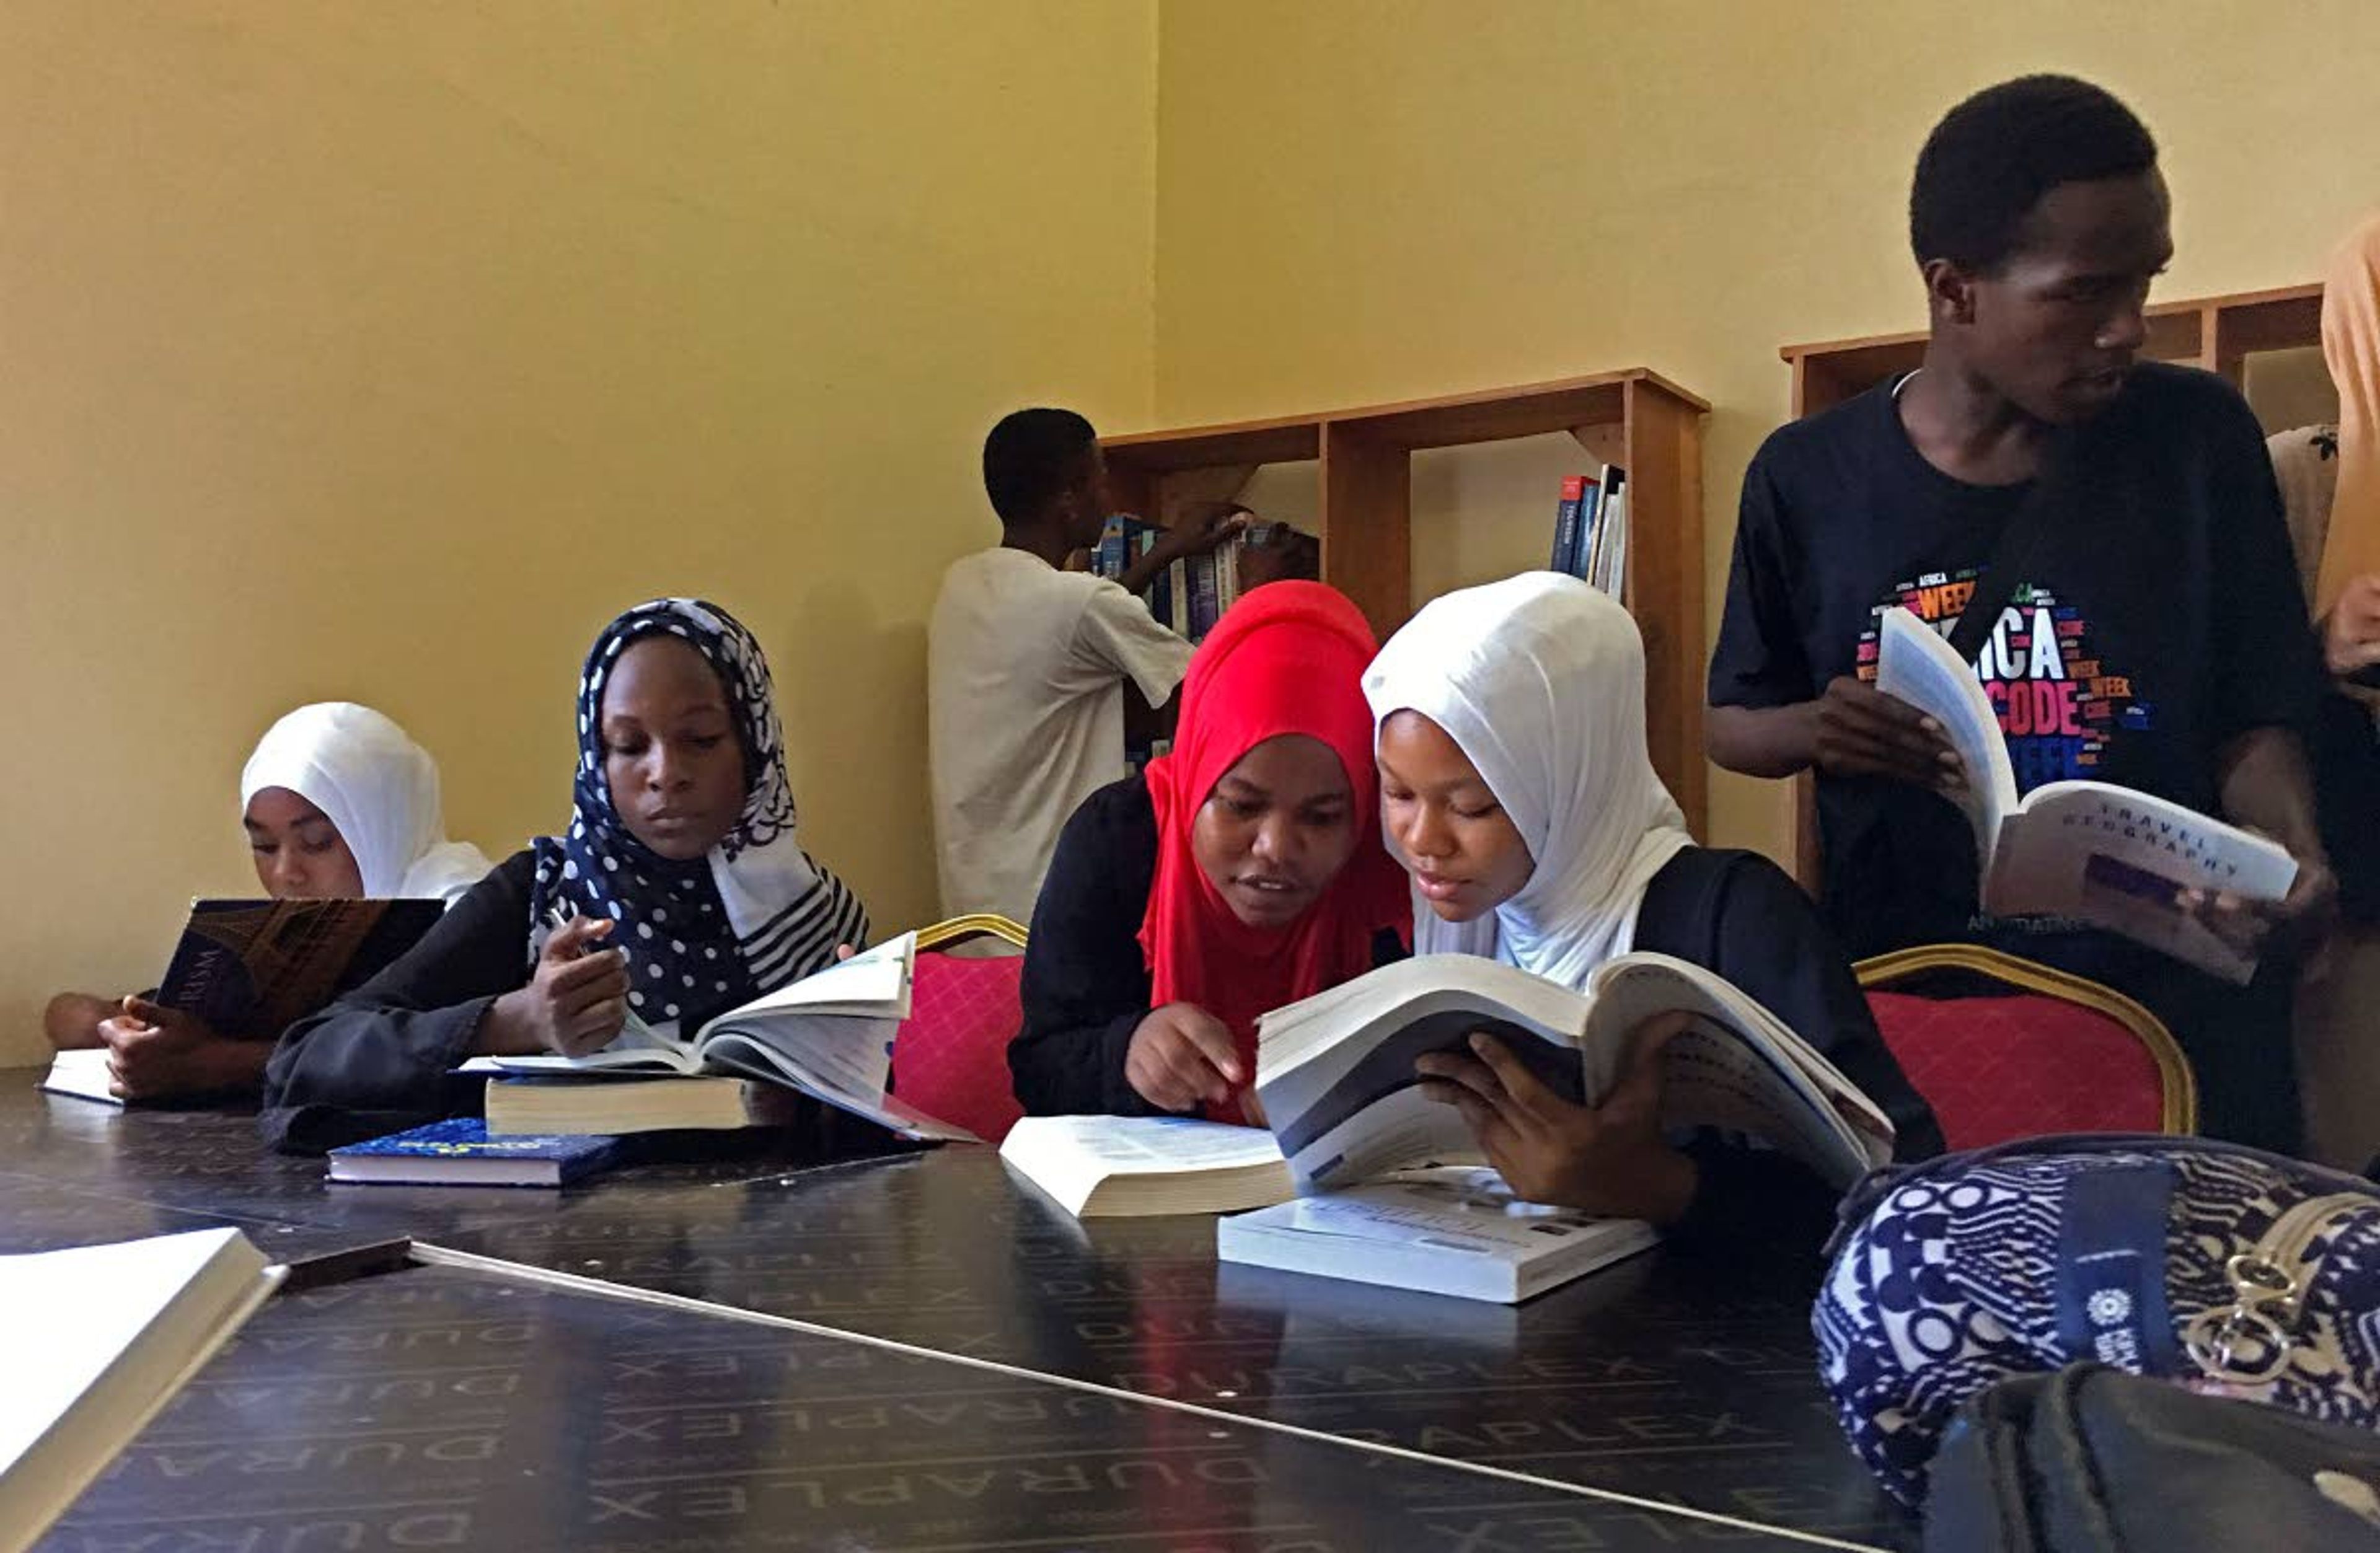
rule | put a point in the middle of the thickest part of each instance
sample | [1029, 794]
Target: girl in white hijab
[1516, 789]
[338, 801]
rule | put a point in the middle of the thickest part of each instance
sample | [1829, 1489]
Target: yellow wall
[383, 351]
[1369, 200]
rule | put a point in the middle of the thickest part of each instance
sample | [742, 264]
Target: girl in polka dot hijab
[702, 933]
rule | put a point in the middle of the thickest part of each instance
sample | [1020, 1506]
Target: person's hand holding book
[1608, 1159]
[1857, 730]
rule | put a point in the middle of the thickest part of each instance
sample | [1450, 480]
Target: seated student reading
[1517, 788]
[338, 803]
[1243, 871]
[2151, 634]
[677, 892]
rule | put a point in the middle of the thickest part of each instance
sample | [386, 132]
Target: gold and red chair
[2004, 1049]
[951, 1058]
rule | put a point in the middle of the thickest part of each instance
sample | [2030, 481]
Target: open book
[2105, 855]
[1098, 1166]
[1457, 1232]
[829, 1036]
[98, 1339]
[1335, 1071]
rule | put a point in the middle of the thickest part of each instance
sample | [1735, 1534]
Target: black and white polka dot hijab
[708, 933]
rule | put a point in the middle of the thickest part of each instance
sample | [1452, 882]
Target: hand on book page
[1180, 1057]
[1608, 1159]
[1863, 731]
[577, 1002]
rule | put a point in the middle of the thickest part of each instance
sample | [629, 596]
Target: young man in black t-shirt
[2156, 637]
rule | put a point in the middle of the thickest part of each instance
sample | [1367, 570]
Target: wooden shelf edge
[2227, 302]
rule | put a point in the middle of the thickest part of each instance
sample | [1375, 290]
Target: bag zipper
[2247, 1342]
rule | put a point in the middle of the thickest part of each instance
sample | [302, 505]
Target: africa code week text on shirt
[2057, 703]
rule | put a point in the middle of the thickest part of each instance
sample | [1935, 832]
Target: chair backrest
[2004, 1049]
[951, 1058]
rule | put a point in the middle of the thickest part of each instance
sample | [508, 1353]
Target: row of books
[1189, 595]
[1591, 529]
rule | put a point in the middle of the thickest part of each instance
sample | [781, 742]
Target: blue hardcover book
[1107, 559]
[1206, 596]
[461, 1153]
[1566, 523]
[1159, 596]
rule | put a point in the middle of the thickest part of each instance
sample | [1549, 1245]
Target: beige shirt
[1026, 668]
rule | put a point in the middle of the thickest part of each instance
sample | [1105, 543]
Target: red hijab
[1289, 658]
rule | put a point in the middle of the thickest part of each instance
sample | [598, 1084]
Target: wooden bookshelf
[1636, 419]
[2216, 332]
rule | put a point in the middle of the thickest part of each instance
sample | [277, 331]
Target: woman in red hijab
[1243, 871]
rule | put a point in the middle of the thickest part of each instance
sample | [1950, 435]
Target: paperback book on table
[828, 1035]
[101, 1339]
[2113, 857]
[253, 969]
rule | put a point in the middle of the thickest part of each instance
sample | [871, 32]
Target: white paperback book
[2112, 856]
[1335, 1071]
[82, 1073]
[100, 1339]
[1457, 1231]
[829, 1034]
[1103, 1166]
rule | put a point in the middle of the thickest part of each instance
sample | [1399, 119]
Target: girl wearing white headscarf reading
[1517, 791]
[675, 892]
[338, 803]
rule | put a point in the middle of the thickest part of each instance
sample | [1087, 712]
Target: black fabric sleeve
[1759, 660]
[2269, 667]
[1739, 916]
[1086, 985]
[379, 1059]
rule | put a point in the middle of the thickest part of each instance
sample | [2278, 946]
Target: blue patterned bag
[2227, 1268]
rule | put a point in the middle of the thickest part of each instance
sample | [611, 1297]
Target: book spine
[1566, 523]
[1158, 592]
[1227, 579]
[1206, 599]
[1107, 559]
[1590, 526]
[1612, 514]
[1177, 601]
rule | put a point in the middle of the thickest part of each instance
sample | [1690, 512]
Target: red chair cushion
[1997, 1068]
[951, 1058]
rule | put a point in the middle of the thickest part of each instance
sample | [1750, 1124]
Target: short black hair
[1993, 157]
[1028, 457]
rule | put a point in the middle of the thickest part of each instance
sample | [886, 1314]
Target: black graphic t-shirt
[2160, 619]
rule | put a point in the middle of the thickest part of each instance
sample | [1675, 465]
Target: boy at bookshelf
[1237, 874]
[2119, 522]
[676, 892]
[1517, 791]
[338, 803]
[1027, 662]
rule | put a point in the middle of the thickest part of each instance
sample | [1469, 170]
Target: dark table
[1669, 1380]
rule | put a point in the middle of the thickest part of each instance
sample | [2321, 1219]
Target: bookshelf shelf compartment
[1634, 419]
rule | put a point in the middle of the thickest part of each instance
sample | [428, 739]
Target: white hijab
[1540, 680]
[378, 787]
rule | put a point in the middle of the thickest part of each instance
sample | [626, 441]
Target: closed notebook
[98, 1339]
[462, 1153]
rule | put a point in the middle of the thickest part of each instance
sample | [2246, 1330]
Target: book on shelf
[829, 1036]
[1608, 567]
[102, 1337]
[1101, 1166]
[1455, 1231]
[1573, 515]
[1190, 595]
[2112, 856]
[1335, 1071]
[462, 1152]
